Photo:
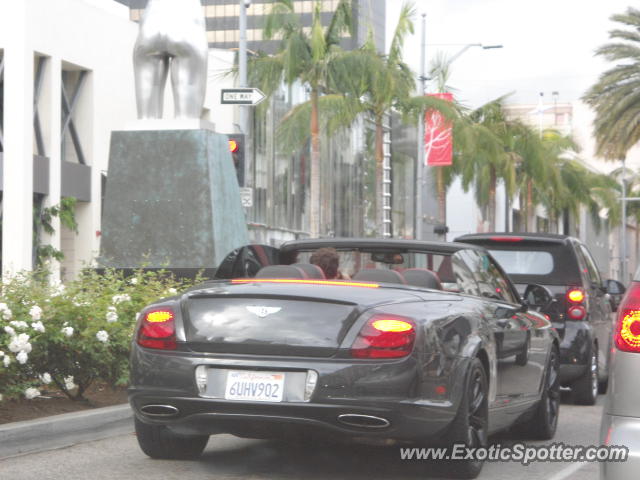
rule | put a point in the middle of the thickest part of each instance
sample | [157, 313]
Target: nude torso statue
[172, 38]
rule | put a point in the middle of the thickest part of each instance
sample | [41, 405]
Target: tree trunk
[314, 190]
[379, 157]
[442, 196]
[530, 213]
[492, 199]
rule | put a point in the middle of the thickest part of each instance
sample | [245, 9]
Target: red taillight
[627, 334]
[506, 239]
[575, 295]
[339, 283]
[157, 330]
[385, 336]
[576, 312]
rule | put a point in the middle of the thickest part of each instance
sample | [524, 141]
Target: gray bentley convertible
[418, 343]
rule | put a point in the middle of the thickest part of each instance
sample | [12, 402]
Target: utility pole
[420, 171]
[242, 61]
[242, 74]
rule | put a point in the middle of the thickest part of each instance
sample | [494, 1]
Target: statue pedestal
[172, 200]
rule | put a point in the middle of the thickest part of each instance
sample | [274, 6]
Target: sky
[548, 45]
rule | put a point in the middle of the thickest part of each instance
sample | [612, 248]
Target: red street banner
[438, 141]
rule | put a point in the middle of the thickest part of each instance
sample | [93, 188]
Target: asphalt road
[227, 457]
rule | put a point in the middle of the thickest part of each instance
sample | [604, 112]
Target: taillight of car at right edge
[385, 336]
[627, 333]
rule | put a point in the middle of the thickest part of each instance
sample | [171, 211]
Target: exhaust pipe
[160, 410]
[363, 421]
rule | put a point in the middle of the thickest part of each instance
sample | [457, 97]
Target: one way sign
[241, 96]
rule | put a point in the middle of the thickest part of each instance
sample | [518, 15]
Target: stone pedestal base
[172, 200]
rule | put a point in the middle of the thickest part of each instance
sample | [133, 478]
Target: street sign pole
[623, 243]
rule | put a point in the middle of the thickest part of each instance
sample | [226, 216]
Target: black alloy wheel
[544, 423]
[471, 424]
[585, 388]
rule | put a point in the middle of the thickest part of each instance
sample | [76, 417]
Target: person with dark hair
[328, 260]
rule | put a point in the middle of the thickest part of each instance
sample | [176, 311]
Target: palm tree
[304, 56]
[616, 95]
[365, 82]
[488, 150]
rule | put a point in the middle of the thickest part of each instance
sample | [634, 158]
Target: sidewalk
[64, 430]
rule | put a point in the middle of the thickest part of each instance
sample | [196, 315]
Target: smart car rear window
[524, 262]
[546, 263]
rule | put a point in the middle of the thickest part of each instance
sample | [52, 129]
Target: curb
[65, 430]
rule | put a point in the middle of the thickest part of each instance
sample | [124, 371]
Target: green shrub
[69, 336]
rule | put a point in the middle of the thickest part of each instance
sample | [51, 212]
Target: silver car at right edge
[621, 416]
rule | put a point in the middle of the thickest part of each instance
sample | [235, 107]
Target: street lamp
[465, 47]
[420, 176]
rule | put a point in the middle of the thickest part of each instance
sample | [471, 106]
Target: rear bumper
[406, 421]
[402, 393]
[621, 431]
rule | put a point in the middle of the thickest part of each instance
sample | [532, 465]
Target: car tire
[157, 441]
[544, 423]
[585, 388]
[471, 423]
[603, 386]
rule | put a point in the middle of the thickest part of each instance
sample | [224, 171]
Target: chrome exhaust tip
[363, 421]
[160, 410]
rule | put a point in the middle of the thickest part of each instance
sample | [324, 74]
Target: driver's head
[327, 259]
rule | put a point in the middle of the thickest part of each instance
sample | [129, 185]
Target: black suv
[583, 304]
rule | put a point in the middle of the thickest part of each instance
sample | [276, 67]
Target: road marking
[570, 470]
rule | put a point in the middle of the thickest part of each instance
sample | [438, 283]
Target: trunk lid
[268, 325]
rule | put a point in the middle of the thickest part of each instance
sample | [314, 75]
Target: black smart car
[582, 310]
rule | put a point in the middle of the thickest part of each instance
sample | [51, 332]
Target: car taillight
[506, 239]
[575, 295]
[627, 334]
[157, 330]
[576, 312]
[575, 309]
[385, 336]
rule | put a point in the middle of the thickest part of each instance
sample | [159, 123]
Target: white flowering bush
[68, 337]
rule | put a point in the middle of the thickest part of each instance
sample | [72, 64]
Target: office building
[223, 18]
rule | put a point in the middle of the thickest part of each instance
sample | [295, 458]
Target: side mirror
[537, 297]
[615, 290]
[614, 287]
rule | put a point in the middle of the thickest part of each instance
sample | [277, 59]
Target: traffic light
[236, 148]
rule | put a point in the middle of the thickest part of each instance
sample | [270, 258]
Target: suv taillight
[385, 336]
[157, 329]
[627, 334]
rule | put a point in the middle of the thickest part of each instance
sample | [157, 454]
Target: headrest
[445, 271]
[312, 271]
[379, 275]
[281, 271]
[421, 277]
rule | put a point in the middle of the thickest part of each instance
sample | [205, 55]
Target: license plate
[254, 386]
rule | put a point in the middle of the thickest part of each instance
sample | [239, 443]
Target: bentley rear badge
[263, 311]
